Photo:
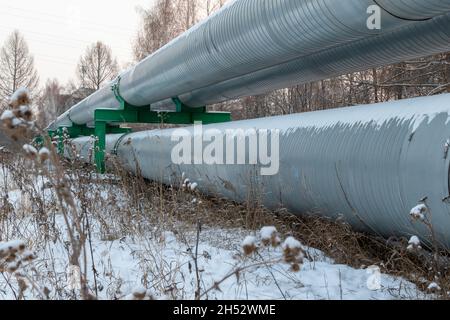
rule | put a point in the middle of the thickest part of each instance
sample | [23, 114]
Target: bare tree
[159, 26]
[189, 9]
[97, 66]
[16, 67]
[210, 6]
[51, 102]
[166, 19]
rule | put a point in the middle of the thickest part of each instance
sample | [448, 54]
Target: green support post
[100, 145]
[102, 128]
[60, 133]
[38, 141]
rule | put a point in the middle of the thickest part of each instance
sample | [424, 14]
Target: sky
[58, 31]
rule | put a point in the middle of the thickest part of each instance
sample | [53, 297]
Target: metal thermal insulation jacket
[368, 164]
[252, 46]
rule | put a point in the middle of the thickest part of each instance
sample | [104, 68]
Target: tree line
[165, 20]
[96, 67]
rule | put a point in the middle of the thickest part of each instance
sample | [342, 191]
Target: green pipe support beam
[108, 121]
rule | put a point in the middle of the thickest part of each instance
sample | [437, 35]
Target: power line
[59, 41]
[55, 59]
[34, 18]
[40, 57]
[124, 56]
[59, 45]
[65, 18]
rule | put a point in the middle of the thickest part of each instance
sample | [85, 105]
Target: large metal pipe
[370, 164]
[431, 37]
[251, 38]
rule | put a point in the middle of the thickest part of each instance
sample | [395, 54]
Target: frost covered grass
[146, 241]
[69, 233]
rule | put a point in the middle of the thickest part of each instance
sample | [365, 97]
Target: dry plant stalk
[18, 123]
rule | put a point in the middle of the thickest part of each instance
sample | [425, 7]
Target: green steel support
[100, 145]
[60, 132]
[181, 107]
[108, 121]
[78, 131]
[38, 141]
[131, 114]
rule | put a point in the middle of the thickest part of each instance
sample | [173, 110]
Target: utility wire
[66, 42]
[82, 25]
[121, 28]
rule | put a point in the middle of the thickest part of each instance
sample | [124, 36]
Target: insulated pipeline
[279, 42]
[367, 164]
[430, 37]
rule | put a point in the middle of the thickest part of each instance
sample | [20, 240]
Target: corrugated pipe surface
[368, 164]
[430, 37]
[249, 41]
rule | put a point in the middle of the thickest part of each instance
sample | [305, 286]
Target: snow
[418, 212]
[29, 149]
[44, 154]
[44, 151]
[249, 241]
[24, 109]
[194, 186]
[317, 280]
[16, 122]
[122, 264]
[414, 244]
[292, 243]
[140, 265]
[139, 294]
[7, 115]
[269, 236]
[267, 233]
[19, 93]
[15, 245]
[434, 287]
[415, 241]
[188, 184]
[29, 255]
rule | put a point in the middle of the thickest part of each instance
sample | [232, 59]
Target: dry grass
[172, 209]
[113, 207]
[78, 198]
[334, 237]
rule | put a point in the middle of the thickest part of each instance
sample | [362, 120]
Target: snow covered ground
[147, 257]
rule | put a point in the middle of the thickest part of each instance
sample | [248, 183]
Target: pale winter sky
[58, 31]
